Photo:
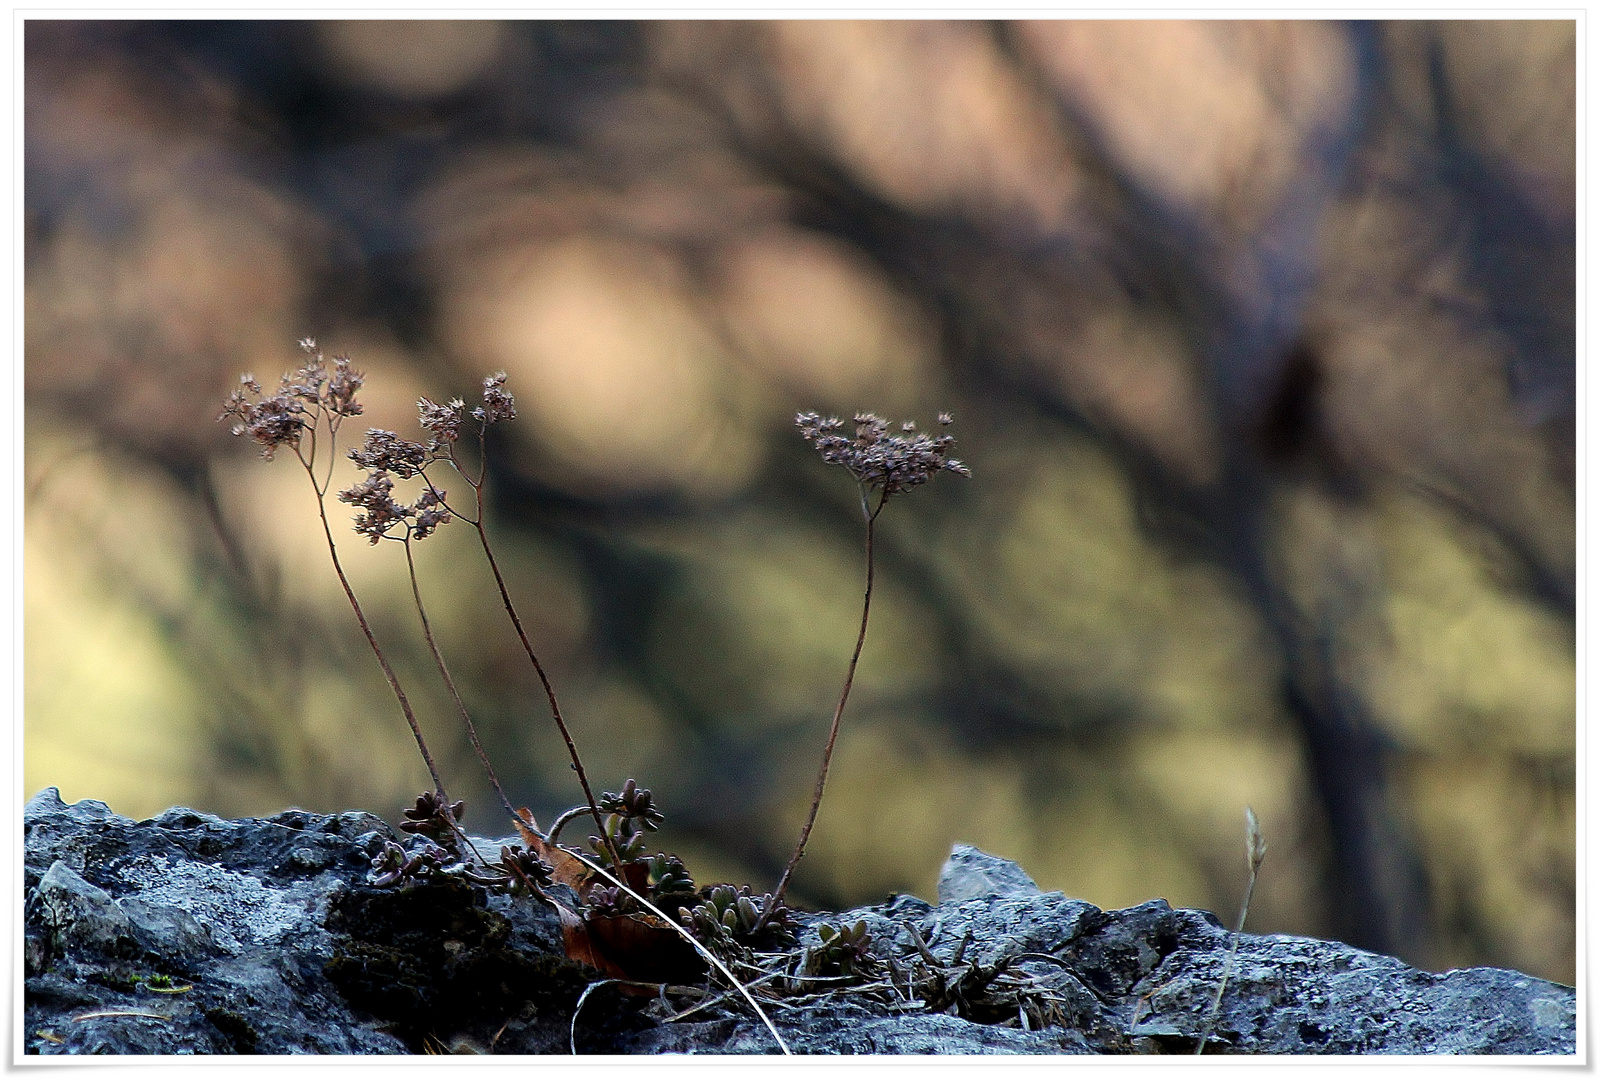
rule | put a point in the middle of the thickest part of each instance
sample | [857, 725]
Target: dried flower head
[443, 421]
[498, 405]
[428, 513]
[310, 390]
[272, 421]
[388, 451]
[339, 397]
[1255, 841]
[385, 453]
[891, 463]
[380, 511]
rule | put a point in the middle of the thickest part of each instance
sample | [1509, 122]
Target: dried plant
[385, 456]
[384, 453]
[1255, 852]
[883, 463]
[624, 894]
[310, 405]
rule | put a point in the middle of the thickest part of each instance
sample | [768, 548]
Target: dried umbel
[305, 395]
[381, 513]
[888, 464]
[879, 460]
[444, 422]
[387, 452]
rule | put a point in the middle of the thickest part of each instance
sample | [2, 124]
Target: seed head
[374, 496]
[302, 396]
[893, 463]
[444, 421]
[498, 405]
[1255, 842]
[380, 511]
[387, 451]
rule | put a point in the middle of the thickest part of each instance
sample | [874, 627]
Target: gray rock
[168, 929]
[970, 874]
[189, 934]
[78, 914]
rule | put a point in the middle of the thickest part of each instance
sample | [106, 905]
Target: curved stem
[383, 662]
[550, 693]
[450, 684]
[561, 822]
[839, 711]
[439, 492]
[1228, 965]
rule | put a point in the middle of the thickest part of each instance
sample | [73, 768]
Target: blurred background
[1260, 339]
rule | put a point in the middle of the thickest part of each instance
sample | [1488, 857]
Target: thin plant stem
[550, 694]
[839, 710]
[561, 822]
[450, 684]
[1228, 969]
[1255, 851]
[477, 522]
[350, 594]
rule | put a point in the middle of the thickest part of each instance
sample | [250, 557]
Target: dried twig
[1255, 852]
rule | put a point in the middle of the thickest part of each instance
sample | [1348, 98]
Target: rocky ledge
[189, 934]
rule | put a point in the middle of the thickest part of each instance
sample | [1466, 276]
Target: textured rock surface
[187, 934]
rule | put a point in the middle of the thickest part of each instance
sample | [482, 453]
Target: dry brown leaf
[646, 947]
[566, 868]
[580, 946]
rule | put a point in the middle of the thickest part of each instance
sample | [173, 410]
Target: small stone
[970, 874]
[35, 954]
[165, 929]
[79, 913]
[310, 858]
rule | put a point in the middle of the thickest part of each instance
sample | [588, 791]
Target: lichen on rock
[189, 934]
